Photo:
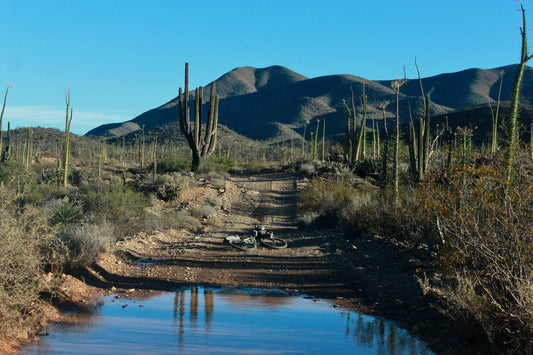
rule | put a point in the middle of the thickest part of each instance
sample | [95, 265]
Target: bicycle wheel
[242, 244]
[274, 243]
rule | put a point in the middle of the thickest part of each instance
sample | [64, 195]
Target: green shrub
[218, 164]
[172, 164]
[169, 192]
[142, 183]
[125, 209]
[52, 176]
[76, 177]
[10, 169]
[39, 194]
[63, 211]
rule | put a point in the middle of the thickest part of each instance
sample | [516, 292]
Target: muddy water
[222, 321]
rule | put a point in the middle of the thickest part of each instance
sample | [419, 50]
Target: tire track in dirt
[268, 199]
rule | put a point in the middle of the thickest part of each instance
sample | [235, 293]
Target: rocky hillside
[277, 102]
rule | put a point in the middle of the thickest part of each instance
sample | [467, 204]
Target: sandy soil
[363, 273]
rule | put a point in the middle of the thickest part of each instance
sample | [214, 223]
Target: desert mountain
[278, 102]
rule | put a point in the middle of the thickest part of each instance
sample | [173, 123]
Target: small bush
[143, 183]
[52, 176]
[10, 169]
[184, 221]
[307, 168]
[172, 164]
[87, 241]
[169, 192]
[76, 177]
[63, 211]
[218, 164]
[409, 219]
[219, 183]
[39, 194]
[125, 209]
[160, 220]
[328, 197]
[204, 211]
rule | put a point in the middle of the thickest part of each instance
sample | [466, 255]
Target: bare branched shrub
[329, 198]
[487, 229]
[408, 219]
[28, 245]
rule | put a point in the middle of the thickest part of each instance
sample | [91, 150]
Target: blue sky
[123, 57]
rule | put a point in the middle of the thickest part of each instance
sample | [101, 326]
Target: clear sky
[123, 57]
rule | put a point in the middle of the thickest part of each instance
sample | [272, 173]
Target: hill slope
[278, 102]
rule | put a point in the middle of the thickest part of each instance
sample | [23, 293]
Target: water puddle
[223, 321]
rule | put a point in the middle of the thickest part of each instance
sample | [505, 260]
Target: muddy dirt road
[364, 273]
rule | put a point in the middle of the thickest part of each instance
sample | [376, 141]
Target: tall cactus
[200, 146]
[315, 144]
[348, 134]
[66, 147]
[28, 149]
[361, 149]
[355, 141]
[8, 151]
[512, 144]
[1, 118]
[494, 141]
[419, 144]
[396, 84]
[323, 139]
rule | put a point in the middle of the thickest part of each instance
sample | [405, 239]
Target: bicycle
[241, 243]
[260, 234]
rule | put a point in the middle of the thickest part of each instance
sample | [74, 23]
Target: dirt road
[176, 257]
[364, 273]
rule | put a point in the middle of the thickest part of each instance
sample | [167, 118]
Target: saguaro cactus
[1, 118]
[8, 150]
[28, 149]
[200, 146]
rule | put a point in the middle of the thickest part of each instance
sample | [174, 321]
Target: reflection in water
[180, 306]
[369, 331]
[187, 321]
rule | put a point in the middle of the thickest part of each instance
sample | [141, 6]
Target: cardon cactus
[200, 146]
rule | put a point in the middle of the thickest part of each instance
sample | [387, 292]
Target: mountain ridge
[276, 102]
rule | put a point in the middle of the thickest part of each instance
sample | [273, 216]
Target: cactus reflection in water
[201, 320]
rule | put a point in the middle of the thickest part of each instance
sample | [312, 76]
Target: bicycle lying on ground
[260, 234]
